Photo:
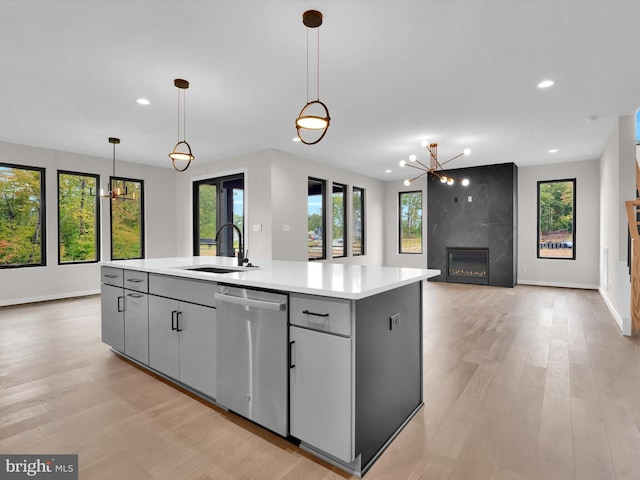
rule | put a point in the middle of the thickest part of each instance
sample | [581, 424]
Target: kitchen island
[326, 355]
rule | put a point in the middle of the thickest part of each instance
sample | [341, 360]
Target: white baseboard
[45, 298]
[583, 286]
[624, 326]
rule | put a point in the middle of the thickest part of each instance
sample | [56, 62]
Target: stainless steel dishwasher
[252, 355]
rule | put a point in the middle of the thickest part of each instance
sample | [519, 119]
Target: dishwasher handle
[250, 302]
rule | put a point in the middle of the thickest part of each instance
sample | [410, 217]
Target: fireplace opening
[468, 265]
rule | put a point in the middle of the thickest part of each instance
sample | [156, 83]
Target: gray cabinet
[112, 309]
[321, 391]
[182, 342]
[136, 325]
[321, 374]
[125, 312]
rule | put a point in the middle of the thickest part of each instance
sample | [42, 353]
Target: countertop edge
[243, 278]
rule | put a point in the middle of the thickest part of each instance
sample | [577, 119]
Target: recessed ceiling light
[387, 170]
[553, 150]
[295, 139]
[143, 101]
[545, 84]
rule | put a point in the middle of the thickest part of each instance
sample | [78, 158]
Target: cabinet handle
[134, 280]
[133, 295]
[111, 276]
[307, 312]
[120, 309]
[173, 320]
[291, 365]
[178, 314]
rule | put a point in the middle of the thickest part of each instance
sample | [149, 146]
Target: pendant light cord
[181, 91]
[317, 65]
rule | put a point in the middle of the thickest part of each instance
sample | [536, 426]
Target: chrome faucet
[241, 259]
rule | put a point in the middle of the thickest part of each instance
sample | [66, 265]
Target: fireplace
[468, 265]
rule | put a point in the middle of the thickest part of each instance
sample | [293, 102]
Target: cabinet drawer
[138, 281]
[332, 315]
[184, 289]
[112, 276]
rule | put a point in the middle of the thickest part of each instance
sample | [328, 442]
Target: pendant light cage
[314, 116]
[182, 151]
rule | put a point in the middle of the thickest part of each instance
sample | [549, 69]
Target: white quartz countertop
[337, 280]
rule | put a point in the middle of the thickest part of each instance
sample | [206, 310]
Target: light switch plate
[257, 227]
[285, 228]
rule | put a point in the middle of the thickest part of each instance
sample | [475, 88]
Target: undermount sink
[213, 269]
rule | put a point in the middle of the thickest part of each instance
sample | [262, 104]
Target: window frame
[344, 188]
[400, 194]
[362, 222]
[43, 216]
[323, 194]
[142, 217]
[573, 218]
[96, 195]
[195, 218]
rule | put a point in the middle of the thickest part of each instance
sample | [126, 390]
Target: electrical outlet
[394, 321]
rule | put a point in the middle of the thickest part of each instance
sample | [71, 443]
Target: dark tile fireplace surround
[469, 227]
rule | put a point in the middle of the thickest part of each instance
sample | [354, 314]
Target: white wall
[617, 184]
[276, 200]
[20, 285]
[583, 272]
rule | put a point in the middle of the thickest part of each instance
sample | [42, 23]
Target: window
[78, 217]
[217, 201]
[556, 219]
[127, 219]
[410, 222]
[339, 203]
[357, 216]
[22, 216]
[316, 200]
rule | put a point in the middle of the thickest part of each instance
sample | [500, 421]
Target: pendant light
[182, 150]
[314, 115]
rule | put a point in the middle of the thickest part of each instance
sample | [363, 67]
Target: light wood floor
[523, 383]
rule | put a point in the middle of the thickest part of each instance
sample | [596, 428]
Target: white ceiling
[462, 73]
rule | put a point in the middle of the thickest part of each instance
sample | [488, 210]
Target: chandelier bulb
[443, 179]
[465, 182]
[467, 151]
[402, 163]
[412, 158]
[450, 181]
[424, 142]
[407, 183]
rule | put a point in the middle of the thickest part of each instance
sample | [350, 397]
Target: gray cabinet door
[320, 389]
[112, 307]
[198, 347]
[136, 326]
[164, 346]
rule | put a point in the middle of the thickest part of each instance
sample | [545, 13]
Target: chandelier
[117, 186]
[435, 167]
